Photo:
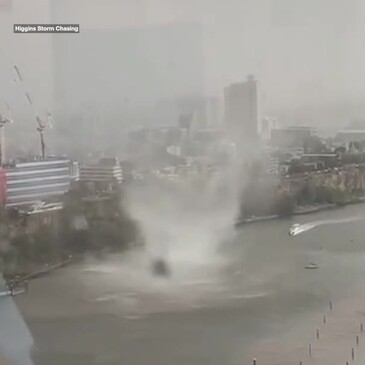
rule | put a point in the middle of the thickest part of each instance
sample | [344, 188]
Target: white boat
[295, 229]
[312, 266]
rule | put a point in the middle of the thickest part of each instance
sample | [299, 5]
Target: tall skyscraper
[240, 101]
[213, 112]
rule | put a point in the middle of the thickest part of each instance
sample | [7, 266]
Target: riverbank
[303, 210]
[39, 272]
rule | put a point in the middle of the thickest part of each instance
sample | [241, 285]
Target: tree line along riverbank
[100, 224]
[39, 242]
[265, 199]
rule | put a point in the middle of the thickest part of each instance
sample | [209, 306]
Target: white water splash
[186, 225]
[186, 222]
[124, 283]
[301, 228]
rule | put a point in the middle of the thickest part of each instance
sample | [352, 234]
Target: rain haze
[306, 55]
[181, 182]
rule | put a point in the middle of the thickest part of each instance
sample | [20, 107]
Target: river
[212, 312]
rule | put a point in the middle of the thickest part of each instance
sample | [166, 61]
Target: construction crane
[4, 120]
[41, 125]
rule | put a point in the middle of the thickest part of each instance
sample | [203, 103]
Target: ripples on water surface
[127, 283]
[216, 304]
[215, 279]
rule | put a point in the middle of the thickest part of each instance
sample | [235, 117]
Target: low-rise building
[106, 171]
[351, 135]
[327, 160]
[270, 161]
[74, 171]
[290, 136]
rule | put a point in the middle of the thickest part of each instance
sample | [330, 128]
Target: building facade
[351, 135]
[241, 113]
[271, 163]
[34, 181]
[106, 171]
[290, 136]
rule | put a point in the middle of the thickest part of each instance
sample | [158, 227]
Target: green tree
[323, 195]
[285, 205]
[306, 194]
[313, 144]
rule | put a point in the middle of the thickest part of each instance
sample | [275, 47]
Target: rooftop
[350, 131]
[34, 160]
[319, 155]
[294, 128]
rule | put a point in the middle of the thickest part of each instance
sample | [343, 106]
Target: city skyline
[269, 38]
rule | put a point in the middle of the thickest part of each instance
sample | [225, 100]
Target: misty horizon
[306, 57]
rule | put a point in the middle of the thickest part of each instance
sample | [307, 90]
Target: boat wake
[297, 228]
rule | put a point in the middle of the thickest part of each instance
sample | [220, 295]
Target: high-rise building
[240, 101]
[213, 112]
[267, 125]
[32, 181]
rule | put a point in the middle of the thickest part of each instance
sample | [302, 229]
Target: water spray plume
[186, 224]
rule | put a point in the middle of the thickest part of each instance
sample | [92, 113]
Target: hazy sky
[303, 52]
[297, 48]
